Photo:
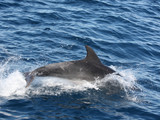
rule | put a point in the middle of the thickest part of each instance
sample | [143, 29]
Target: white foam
[63, 85]
[13, 84]
[126, 82]
[127, 78]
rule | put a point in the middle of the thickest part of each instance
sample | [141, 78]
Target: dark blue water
[124, 34]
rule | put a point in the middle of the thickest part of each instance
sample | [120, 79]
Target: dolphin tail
[29, 76]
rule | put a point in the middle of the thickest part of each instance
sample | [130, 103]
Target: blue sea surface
[125, 34]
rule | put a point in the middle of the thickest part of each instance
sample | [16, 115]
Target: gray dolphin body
[88, 68]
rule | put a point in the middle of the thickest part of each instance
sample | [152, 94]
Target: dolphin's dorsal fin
[91, 55]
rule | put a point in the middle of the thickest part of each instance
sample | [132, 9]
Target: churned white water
[14, 83]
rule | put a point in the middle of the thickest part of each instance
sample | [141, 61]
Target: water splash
[13, 84]
[111, 84]
[56, 86]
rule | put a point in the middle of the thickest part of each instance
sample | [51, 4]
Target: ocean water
[124, 34]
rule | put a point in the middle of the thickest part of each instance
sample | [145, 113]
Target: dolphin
[89, 68]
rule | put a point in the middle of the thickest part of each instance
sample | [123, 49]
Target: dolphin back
[88, 68]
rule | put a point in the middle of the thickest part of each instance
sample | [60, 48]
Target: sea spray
[57, 86]
[13, 84]
[111, 84]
